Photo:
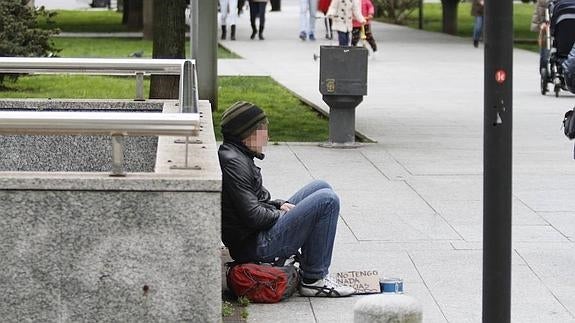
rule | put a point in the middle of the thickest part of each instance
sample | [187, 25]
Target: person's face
[258, 139]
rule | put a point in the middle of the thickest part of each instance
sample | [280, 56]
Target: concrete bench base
[387, 308]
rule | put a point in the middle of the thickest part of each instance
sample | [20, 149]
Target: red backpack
[262, 283]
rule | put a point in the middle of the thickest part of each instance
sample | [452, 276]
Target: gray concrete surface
[81, 246]
[412, 202]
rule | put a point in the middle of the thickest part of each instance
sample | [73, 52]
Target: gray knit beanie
[241, 119]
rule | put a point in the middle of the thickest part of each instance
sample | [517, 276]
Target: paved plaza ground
[412, 201]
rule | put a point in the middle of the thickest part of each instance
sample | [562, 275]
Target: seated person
[256, 228]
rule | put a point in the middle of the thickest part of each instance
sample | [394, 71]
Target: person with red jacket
[367, 10]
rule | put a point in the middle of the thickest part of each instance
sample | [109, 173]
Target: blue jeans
[477, 27]
[310, 225]
[343, 38]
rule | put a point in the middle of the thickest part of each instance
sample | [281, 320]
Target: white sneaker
[325, 288]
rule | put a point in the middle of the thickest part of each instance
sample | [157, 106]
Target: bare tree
[169, 42]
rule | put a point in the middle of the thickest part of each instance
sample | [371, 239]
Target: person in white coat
[228, 15]
[342, 12]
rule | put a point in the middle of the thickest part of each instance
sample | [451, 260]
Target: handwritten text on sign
[364, 281]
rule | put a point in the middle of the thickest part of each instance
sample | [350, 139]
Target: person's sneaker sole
[322, 291]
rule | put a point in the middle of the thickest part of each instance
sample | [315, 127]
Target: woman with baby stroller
[558, 65]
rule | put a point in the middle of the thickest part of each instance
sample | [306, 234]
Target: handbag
[569, 124]
[262, 283]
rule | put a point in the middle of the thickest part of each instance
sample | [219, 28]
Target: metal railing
[188, 95]
[116, 124]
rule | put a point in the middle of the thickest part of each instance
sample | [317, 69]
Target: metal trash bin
[342, 83]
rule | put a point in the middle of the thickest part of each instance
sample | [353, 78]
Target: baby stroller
[560, 16]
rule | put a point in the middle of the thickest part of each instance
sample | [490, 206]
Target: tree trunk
[449, 18]
[132, 16]
[148, 15]
[169, 42]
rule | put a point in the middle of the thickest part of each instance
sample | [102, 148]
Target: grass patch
[290, 119]
[432, 13]
[64, 86]
[114, 47]
[104, 21]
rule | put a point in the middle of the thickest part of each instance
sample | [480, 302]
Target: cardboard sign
[364, 281]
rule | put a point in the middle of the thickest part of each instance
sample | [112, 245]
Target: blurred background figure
[342, 12]
[228, 15]
[477, 12]
[307, 11]
[367, 10]
[258, 10]
[323, 6]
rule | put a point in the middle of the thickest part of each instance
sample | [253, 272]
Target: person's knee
[329, 197]
[321, 184]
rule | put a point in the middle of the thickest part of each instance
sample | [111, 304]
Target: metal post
[206, 59]
[497, 163]
[118, 155]
[194, 23]
[188, 100]
[139, 86]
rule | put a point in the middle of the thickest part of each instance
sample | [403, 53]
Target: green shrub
[19, 35]
[396, 11]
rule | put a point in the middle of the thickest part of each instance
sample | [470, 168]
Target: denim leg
[311, 18]
[303, 15]
[343, 38]
[307, 190]
[477, 27]
[311, 225]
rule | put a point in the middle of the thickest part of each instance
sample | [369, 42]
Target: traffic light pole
[497, 160]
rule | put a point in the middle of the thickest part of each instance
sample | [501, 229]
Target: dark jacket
[247, 207]
[476, 8]
[569, 70]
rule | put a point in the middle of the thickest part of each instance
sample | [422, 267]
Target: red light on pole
[500, 76]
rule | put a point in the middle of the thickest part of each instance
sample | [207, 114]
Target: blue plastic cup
[391, 285]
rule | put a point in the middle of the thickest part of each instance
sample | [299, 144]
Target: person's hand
[368, 18]
[543, 26]
[287, 206]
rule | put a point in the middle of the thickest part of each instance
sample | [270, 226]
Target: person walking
[540, 25]
[477, 12]
[307, 12]
[258, 11]
[228, 15]
[256, 228]
[342, 12]
[367, 10]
